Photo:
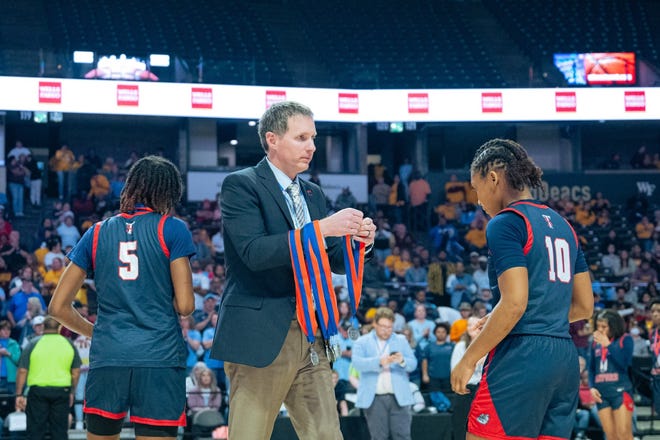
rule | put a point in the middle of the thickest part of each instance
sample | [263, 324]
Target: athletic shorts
[529, 389]
[616, 399]
[154, 396]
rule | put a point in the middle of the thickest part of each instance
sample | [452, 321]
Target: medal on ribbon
[354, 264]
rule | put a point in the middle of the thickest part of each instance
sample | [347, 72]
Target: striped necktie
[294, 193]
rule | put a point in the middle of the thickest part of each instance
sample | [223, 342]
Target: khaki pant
[306, 390]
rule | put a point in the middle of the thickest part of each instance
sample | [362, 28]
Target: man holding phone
[384, 360]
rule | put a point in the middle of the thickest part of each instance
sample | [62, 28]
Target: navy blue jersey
[608, 369]
[130, 255]
[529, 234]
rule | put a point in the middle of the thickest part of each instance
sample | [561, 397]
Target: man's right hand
[344, 222]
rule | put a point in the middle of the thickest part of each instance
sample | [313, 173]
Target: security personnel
[51, 366]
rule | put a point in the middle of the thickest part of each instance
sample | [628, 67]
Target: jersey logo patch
[483, 419]
[547, 220]
[129, 227]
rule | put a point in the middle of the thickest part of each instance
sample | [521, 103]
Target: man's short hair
[384, 312]
[276, 119]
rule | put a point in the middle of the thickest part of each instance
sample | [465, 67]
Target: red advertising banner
[565, 101]
[50, 92]
[201, 97]
[349, 103]
[128, 95]
[491, 102]
[418, 102]
[635, 101]
[275, 96]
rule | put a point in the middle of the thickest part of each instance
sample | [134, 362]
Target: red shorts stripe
[146, 421]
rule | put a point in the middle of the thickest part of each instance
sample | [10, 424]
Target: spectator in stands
[202, 245]
[17, 307]
[36, 328]
[444, 237]
[84, 175]
[402, 237]
[580, 332]
[603, 220]
[435, 282]
[35, 175]
[421, 327]
[5, 225]
[600, 203]
[10, 352]
[341, 388]
[204, 214]
[68, 232]
[628, 266]
[63, 164]
[455, 190]
[399, 319]
[611, 238]
[416, 274]
[218, 246]
[480, 276]
[397, 200]
[206, 394]
[460, 286]
[51, 278]
[637, 160]
[82, 344]
[644, 233]
[402, 265]
[405, 173]
[419, 191]
[380, 194]
[384, 360]
[99, 189]
[213, 364]
[644, 274]
[51, 381]
[18, 150]
[203, 317]
[459, 326]
[342, 364]
[449, 211]
[201, 283]
[419, 298]
[467, 213]
[436, 361]
[54, 245]
[17, 174]
[384, 240]
[611, 260]
[193, 340]
[584, 214]
[476, 235]
[345, 199]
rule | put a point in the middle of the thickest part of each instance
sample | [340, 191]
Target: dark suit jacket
[259, 302]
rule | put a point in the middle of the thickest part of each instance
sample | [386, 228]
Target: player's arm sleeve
[506, 235]
[81, 254]
[178, 238]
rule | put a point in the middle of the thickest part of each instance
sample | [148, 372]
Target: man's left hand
[367, 232]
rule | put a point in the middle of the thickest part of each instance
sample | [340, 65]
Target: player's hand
[367, 232]
[601, 338]
[460, 376]
[596, 395]
[348, 221]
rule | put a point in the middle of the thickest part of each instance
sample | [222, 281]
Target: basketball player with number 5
[140, 261]
[531, 376]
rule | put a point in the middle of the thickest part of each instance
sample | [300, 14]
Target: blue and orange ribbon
[354, 263]
[313, 280]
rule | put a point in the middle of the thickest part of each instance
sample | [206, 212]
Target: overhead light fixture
[233, 142]
[83, 57]
[159, 60]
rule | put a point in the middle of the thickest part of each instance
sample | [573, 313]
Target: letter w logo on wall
[646, 188]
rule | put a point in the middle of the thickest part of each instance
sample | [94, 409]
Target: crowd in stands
[429, 266]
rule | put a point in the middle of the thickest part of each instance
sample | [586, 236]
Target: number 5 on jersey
[130, 269]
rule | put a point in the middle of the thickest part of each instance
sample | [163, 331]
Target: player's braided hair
[154, 182]
[507, 155]
[276, 119]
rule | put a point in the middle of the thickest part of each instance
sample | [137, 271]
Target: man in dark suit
[267, 357]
